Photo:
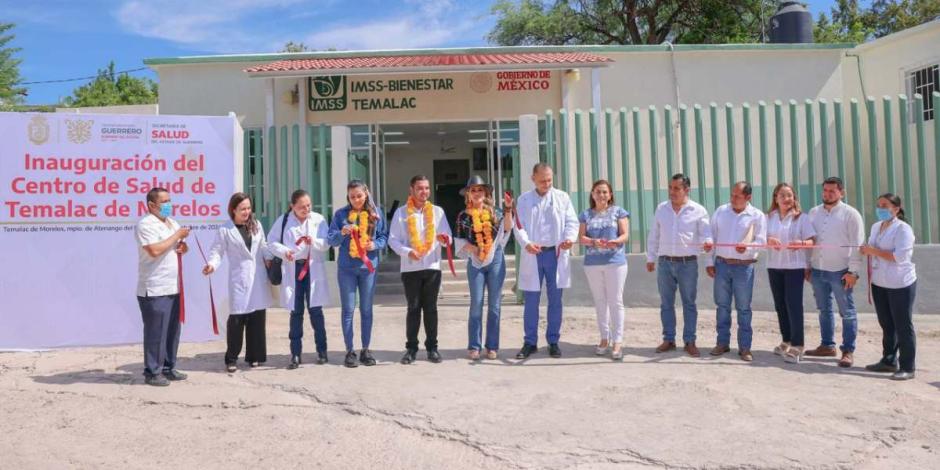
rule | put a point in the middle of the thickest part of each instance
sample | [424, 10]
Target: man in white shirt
[834, 269]
[160, 242]
[680, 230]
[735, 226]
[549, 229]
[420, 265]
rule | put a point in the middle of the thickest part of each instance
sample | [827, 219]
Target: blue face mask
[883, 214]
[166, 209]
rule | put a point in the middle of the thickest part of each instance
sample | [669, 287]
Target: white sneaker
[601, 350]
[781, 349]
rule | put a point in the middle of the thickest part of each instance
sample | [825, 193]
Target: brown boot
[666, 346]
[691, 350]
[822, 351]
[847, 360]
[745, 355]
[719, 350]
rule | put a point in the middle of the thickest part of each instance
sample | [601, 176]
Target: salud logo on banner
[327, 93]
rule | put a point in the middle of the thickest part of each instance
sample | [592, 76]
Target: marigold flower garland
[482, 230]
[363, 226]
[417, 244]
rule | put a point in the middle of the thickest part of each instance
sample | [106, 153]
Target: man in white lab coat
[549, 229]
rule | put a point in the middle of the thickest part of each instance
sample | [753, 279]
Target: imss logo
[327, 93]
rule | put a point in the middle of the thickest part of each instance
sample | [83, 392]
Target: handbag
[274, 271]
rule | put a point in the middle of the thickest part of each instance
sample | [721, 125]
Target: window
[924, 81]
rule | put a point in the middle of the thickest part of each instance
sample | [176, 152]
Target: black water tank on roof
[791, 24]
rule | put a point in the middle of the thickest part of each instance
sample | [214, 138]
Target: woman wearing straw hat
[481, 235]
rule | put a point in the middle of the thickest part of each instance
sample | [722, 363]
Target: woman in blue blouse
[360, 221]
[605, 229]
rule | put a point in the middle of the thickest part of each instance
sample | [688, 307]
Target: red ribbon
[450, 257]
[179, 283]
[362, 253]
[303, 272]
[215, 321]
[515, 215]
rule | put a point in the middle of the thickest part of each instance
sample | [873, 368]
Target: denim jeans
[826, 285]
[489, 277]
[684, 276]
[547, 263]
[296, 332]
[350, 281]
[734, 281]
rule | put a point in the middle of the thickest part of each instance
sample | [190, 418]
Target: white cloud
[432, 23]
[212, 25]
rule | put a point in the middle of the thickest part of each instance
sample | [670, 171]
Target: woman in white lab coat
[242, 242]
[299, 237]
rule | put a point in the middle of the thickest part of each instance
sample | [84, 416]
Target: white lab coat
[248, 285]
[568, 230]
[316, 228]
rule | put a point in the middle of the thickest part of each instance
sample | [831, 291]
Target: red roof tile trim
[440, 60]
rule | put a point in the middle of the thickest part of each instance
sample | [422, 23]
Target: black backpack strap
[284, 224]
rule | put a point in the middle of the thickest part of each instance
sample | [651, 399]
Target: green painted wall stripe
[637, 153]
[811, 155]
[824, 136]
[904, 129]
[284, 173]
[595, 153]
[324, 168]
[550, 139]
[699, 154]
[274, 205]
[295, 154]
[795, 148]
[684, 138]
[715, 155]
[874, 167]
[609, 141]
[729, 143]
[577, 188]
[840, 139]
[563, 141]
[924, 201]
[764, 162]
[748, 151]
[778, 143]
[889, 143]
[857, 157]
[654, 153]
[669, 130]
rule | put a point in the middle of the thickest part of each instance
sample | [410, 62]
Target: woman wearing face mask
[789, 232]
[482, 233]
[893, 285]
[605, 228]
[242, 241]
[358, 226]
[299, 237]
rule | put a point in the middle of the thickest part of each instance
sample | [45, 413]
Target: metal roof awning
[428, 63]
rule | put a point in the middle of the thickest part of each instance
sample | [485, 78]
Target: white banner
[72, 188]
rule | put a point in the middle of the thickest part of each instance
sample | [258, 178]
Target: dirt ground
[89, 408]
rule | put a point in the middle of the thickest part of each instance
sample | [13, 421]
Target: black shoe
[365, 357]
[321, 358]
[351, 360]
[881, 367]
[231, 368]
[156, 380]
[294, 362]
[409, 357]
[526, 351]
[174, 375]
[434, 356]
[554, 350]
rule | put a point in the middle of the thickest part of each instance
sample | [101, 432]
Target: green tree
[292, 46]
[848, 24]
[10, 93]
[890, 16]
[526, 22]
[110, 89]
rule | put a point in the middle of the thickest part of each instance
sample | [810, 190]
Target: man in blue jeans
[834, 269]
[735, 227]
[677, 235]
[549, 229]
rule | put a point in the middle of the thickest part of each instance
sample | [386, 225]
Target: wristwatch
[855, 274]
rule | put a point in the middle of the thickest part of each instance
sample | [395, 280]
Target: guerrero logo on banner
[72, 188]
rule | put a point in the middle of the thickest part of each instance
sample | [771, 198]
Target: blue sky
[64, 39]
